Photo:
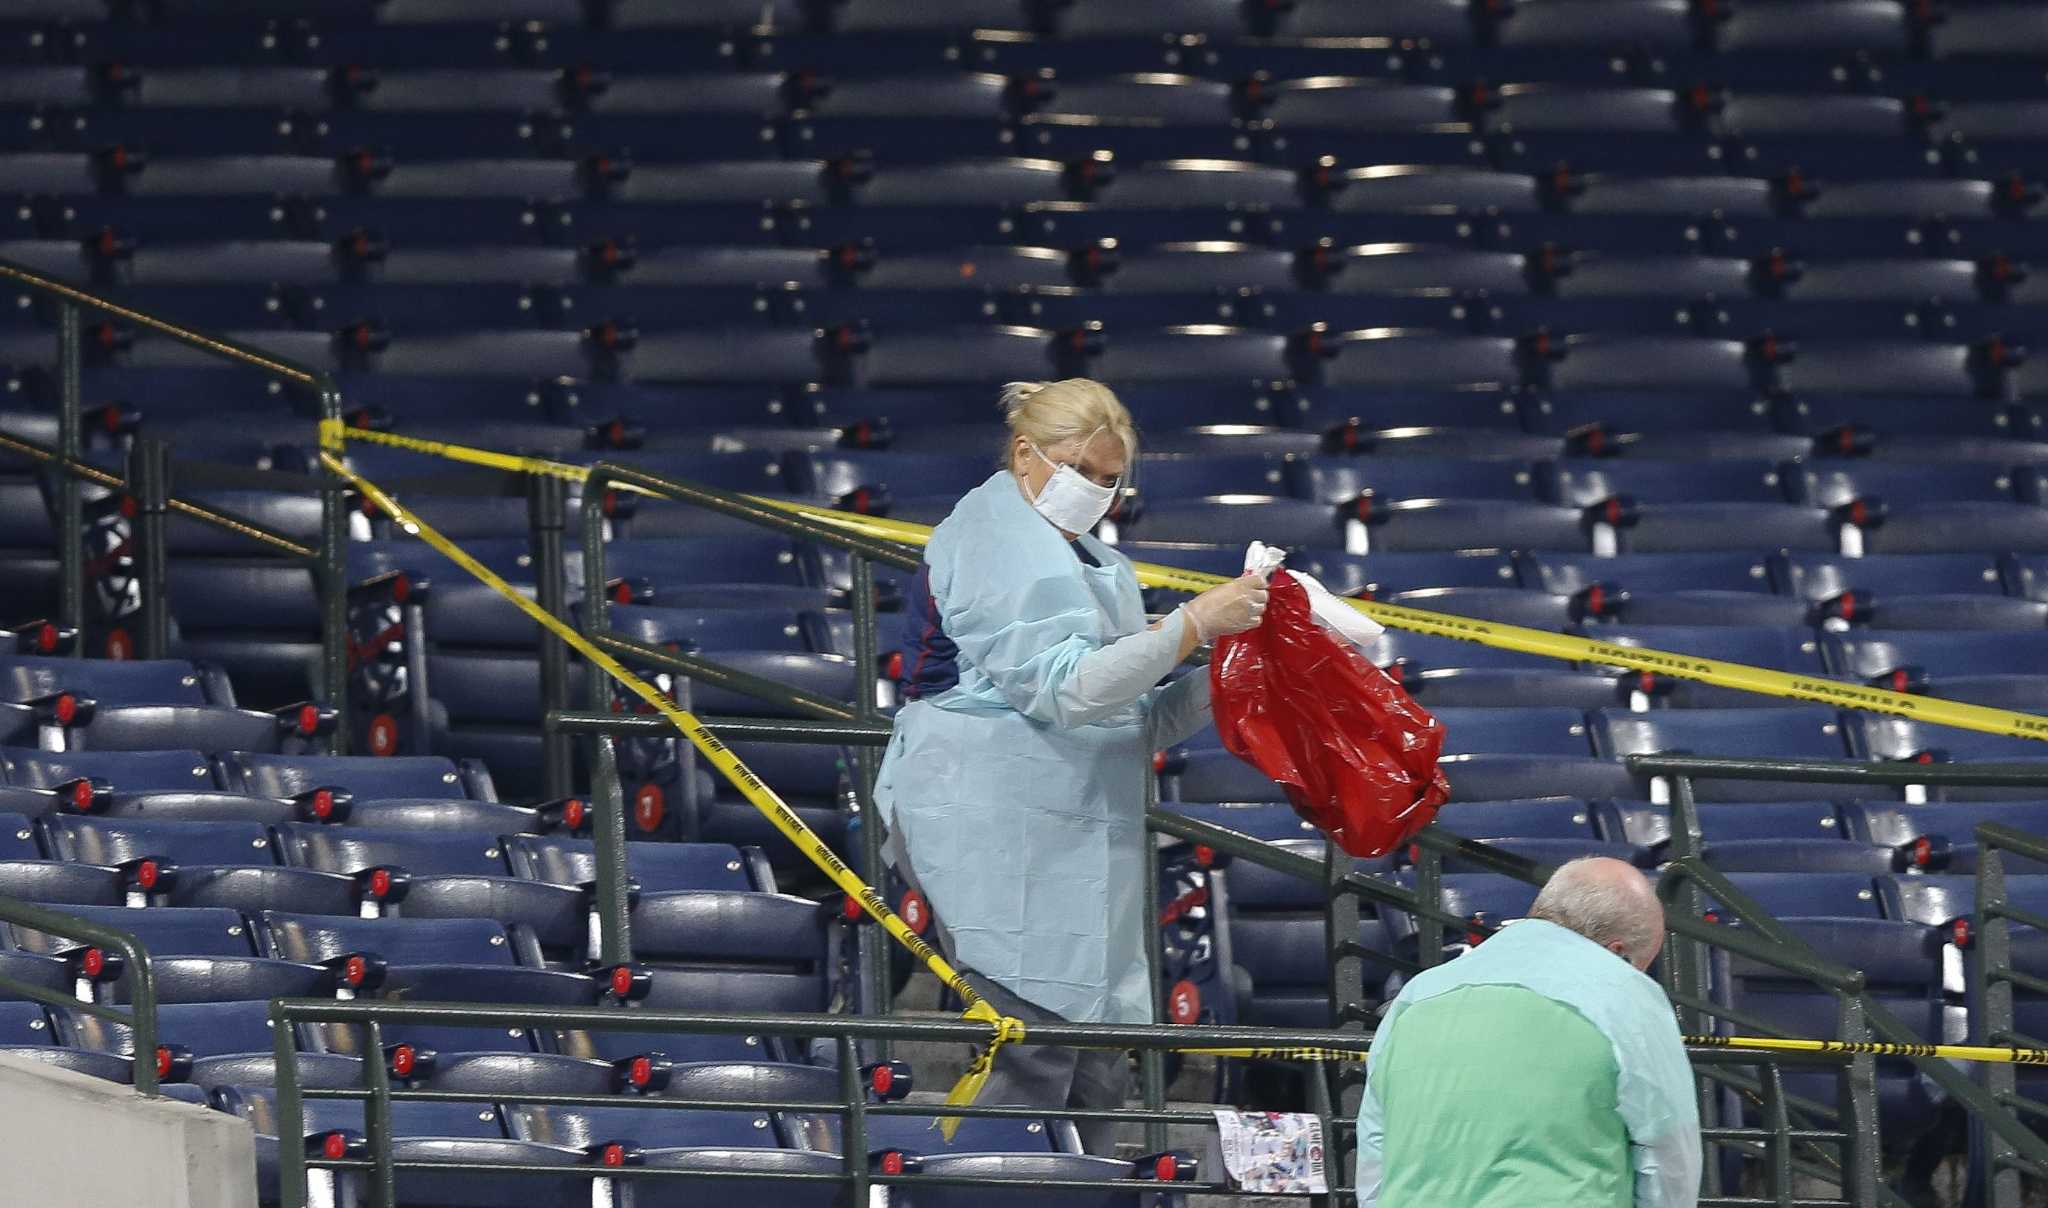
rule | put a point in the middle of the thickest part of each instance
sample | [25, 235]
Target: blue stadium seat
[444, 1132]
[1787, 732]
[438, 874]
[1950, 828]
[1336, 480]
[1903, 428]
[1584, 482]
[1908, 591]
[196, 955]
[193, 863]
[1776, 647]
[655, 867]
[1725, 823]
[1816, 26]
[1534, 818]
[129, 771]
[1872, 736]
[1664, 589]
[363, 776]
[1596, 362]
[1681, 527]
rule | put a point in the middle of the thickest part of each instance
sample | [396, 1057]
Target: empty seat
[1908, 591]
[197, 955]
[1877, 27]
[362, 776]
[438, 874]
[1665, 589]
[1790, 649]
[654, 867]
[193, 862]
[1790, 732]
[128, 771]
[1874, 736]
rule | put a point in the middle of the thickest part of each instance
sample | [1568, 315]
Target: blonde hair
[1054, 415]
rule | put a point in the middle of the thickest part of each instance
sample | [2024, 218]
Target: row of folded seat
[1963, 219]
[299, 286]
[1732, 378]
[1434, 394]
[1374, 179]
[1880, 28]
[1110, 268]
[738, 115]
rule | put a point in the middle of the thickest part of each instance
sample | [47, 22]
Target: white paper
[1329, 612]
[1277, 1152]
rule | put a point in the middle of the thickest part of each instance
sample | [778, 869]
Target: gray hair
[1581, 896]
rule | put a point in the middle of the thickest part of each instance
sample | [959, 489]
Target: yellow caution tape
[1546, 644]
[1875, 1048]
[730, 766]
[1542, 643]
[467, 454]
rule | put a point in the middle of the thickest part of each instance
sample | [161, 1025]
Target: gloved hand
[1232, 608]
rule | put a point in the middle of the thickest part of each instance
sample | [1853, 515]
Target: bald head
[1609, 902]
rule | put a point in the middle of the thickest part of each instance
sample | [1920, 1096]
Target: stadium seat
[363, 776]
[1778, 648]
[1788, 732]
[438, 874]
[192, 863]
[447, 1132]
[1664, 589]
[1921, 591]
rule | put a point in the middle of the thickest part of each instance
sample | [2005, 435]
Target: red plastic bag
[1356, 755]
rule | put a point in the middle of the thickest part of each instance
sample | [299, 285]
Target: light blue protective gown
[1019, 794]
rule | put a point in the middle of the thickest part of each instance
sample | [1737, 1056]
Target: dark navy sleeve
[931, 662]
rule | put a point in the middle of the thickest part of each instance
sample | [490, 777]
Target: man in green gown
[1541, 1068]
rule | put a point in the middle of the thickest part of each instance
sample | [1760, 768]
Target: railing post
[291, 1111]
[1862, 1154]
[547, 509]
[1686, 959]
[1347, 990]
[149, 477]
[331, 575]
[1776, 1117]
[596, 609]
[873, 944]
[377, 1118]
[608, 798]
[1990, 959]
[1429, 892]
[70, 508]
[1152, 1061]
[608, 836]
[853, 1141]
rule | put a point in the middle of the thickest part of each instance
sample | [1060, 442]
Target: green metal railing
[139, 1016]
[1996, 981]
[148, 480]
[847, 1033]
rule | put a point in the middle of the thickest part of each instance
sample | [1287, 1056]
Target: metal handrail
[140, 1015]
[330, 560]
[1992, 972]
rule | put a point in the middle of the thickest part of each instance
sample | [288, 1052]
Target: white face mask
[1071, 502]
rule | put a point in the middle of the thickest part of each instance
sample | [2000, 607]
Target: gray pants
[1036, 1075]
